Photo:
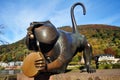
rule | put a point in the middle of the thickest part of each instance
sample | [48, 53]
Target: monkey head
[43, 32]
[46, 33]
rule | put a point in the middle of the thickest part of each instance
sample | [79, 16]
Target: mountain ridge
[100, 37]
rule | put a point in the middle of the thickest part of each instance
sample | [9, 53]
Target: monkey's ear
[31, 43]
[30, 35]
[30, 32]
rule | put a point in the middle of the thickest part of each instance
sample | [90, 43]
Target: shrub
[116, 66]
[2, 68]
[105, 66]
[108, 66]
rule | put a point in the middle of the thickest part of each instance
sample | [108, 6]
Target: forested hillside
[105, 39]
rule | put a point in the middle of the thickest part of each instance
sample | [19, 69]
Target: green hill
[103, 38]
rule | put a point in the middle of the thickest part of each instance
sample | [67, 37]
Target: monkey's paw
[88, 69]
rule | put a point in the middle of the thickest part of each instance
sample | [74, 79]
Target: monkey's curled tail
[74, 25]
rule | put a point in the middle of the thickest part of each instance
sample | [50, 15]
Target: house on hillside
[3, 64]
[10, 64]
[14, 65]
[17, 63]
[105, 58]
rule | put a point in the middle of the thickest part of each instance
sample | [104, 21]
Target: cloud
[19, 18]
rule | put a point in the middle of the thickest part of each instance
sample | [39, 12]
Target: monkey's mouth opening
[45, 47]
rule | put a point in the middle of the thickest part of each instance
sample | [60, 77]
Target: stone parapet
[108, 74]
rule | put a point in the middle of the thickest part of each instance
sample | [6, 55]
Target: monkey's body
[65, 48]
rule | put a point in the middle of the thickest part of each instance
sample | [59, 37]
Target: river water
[11, 72]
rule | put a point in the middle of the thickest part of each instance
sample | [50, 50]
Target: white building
[3, 64]
[17, 63]
[108, 58]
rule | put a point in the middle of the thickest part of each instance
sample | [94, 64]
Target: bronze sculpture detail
[58, 46]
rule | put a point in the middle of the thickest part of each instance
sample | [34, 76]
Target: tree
[1, 33]
[109, 50]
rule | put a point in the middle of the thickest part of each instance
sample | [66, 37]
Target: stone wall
[108, 74]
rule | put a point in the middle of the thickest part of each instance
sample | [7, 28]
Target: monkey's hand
[41, 65]
[88, 69]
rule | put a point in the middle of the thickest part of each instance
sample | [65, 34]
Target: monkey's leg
[87, 54]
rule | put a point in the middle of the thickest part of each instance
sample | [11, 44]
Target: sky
[16, 15]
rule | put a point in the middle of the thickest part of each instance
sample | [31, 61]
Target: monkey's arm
[46, 67]
[54, 65]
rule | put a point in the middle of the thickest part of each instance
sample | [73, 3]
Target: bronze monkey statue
[58, 46]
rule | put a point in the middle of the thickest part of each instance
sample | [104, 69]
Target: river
[10, 72]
